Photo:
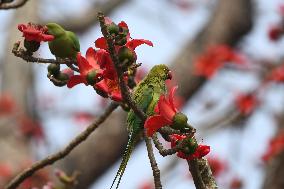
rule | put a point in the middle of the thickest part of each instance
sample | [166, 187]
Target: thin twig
[153, 162]
[164, 152]
[13, 5]
[21, 53]
[61, 154]
[127, 98]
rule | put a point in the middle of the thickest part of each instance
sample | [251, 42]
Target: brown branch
[153, 162]
[164, 152]
[21, 53]
[61, 154]
[13, 5]
[202, 174]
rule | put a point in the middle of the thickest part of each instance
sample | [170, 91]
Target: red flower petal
[75, 80]
[153, 123]
[83, 65]
[101, 43]
[165, 109]
[171, 97]
[116, 96]
[123, 24]
[91, 57]
[202, 150]
[132, 44]
[47, 37]
[102, 86]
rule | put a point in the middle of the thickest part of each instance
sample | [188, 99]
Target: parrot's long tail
[125, 158]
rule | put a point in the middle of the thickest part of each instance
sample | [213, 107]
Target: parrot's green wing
[75, 40]
[143, 100]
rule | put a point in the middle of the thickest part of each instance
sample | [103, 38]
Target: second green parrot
[146, 95]
[65, 44]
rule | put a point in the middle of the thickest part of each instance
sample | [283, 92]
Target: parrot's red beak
[170, 75]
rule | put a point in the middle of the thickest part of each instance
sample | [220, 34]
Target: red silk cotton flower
[89, 68]
[165, 110]
[200, 151]
[246, 103]
[130, 43]
[34, 32]
[109, 88]
[214, 59]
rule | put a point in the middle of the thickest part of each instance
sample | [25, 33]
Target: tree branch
[61, 154]
[13, 5]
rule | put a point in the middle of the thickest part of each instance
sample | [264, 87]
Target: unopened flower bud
[120, 40]
[113, 29]
[62, 76]
[91, 77]
[179, 121]
[126, 55]
[54, 69]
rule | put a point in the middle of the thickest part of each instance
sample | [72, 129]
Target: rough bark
[230, 22]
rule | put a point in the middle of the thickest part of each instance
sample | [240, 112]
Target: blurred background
[226, 56]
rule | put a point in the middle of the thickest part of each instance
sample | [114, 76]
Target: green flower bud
[54, 69]
[126, 55]
[31, 46]
[120, 40]
[91, 77]
[113, 29]
[179, 121]
[62, 77]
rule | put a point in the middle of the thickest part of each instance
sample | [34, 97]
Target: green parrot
[146, 95]
[65, 43]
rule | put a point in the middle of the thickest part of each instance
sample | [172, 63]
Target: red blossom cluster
[214, 58]
[199, 151]
[246, 103]
[276, 146]
[98, 70]
[34, 32]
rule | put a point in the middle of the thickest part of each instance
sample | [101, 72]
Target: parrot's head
[161, 71]
[55, 29]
